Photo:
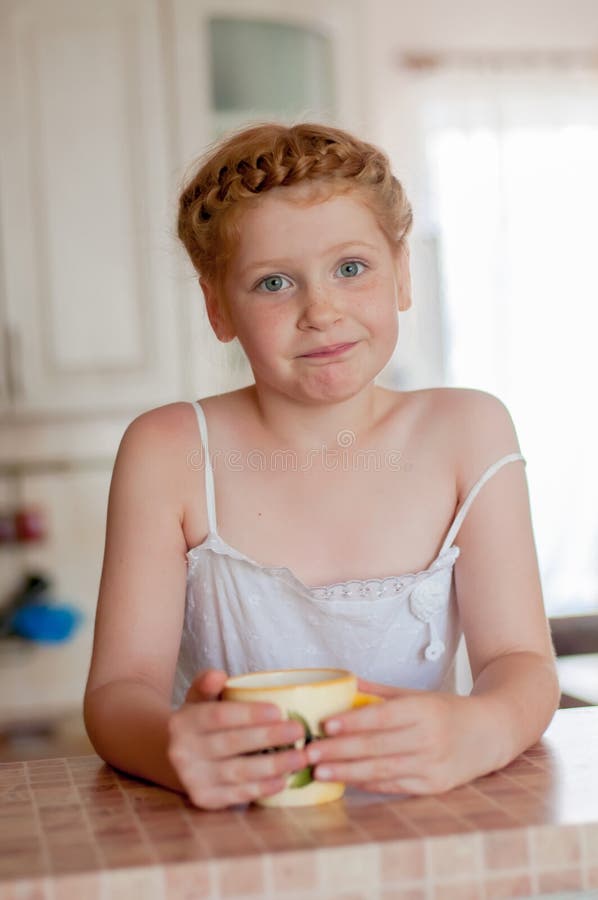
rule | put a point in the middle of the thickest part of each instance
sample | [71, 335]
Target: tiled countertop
[72, 829]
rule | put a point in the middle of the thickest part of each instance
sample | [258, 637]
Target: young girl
[310, 518]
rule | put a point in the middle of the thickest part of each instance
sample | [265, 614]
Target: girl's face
[305, 277]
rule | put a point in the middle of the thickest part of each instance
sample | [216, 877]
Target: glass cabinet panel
[263, 69]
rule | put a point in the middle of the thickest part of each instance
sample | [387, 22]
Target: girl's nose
[320, 309]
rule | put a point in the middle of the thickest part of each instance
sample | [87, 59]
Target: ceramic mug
[309, 696]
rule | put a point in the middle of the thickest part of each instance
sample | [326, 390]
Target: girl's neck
[288, 422]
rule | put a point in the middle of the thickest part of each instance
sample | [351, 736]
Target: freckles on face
[318, 303]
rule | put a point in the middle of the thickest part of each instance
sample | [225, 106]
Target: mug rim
[343, 675]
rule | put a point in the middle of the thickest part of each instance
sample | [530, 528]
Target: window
[513, 190]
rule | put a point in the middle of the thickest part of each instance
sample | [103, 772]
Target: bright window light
[515, 209]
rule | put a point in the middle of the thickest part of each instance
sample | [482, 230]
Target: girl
[309, 519]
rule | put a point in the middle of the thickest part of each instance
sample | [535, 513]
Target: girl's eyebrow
[274, 263]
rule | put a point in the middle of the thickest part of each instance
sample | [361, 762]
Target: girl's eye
[351, 267]
[272, 284]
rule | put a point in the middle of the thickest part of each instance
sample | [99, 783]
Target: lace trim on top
[362, 589]
[427, 591]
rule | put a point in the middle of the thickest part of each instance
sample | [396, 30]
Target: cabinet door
[256, 69]
[85, 206]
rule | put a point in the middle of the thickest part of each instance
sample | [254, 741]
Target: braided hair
[234, 173]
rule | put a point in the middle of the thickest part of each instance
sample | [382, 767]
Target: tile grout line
[475, 829]
[96, 847]
[47, 884]
[207, 861]
[482, 873]
[155, 862]
[262, 852]
[321, 863]
[419, 836]
[213, 862]
[498, 805]
[477, 876]
[106, 870]
[517, 826]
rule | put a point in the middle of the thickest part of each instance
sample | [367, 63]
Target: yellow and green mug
[309, 696]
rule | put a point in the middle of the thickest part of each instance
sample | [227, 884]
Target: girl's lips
[334, 350]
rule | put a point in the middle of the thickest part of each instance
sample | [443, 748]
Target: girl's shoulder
[168, 433]
[179, 416]
[476, 428]
[462, 401]
[160, 448]
[159, 438]
[450, 407]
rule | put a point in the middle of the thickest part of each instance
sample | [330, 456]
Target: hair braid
[257, 159]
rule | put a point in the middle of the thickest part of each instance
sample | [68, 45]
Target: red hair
[233, 174]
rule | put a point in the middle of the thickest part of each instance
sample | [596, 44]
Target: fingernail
[323, 773]
[333, 726]
[313, 754]
[272, 713]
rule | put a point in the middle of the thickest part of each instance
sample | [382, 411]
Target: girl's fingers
[359, 746]
[206, 685]
[236, 741]
[254, 790]
[221, 796]
[404, 785]
[397, 712]
[382, 690]
[378, 769]
[212, 717]
[249, 769]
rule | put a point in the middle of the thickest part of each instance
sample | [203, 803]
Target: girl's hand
[417, 742]
[209, 740]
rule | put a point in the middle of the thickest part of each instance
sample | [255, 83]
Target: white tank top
[241, 616]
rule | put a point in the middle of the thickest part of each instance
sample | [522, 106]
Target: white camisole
[241, 616]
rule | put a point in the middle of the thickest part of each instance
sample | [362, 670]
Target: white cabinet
[87, 245]
[104, 107]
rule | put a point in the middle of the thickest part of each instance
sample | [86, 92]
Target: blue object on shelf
[46, 623]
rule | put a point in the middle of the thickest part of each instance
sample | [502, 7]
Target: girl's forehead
[288, 208]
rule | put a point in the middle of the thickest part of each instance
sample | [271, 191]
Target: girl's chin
[326, 385]
[335, 392]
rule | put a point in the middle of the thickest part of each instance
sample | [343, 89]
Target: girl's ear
[403, 277]
[219, 319]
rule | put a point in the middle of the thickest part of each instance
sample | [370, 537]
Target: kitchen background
[489, 113]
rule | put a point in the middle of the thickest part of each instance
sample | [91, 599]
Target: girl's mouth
[333, 350]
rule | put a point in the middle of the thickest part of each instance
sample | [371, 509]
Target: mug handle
[362, 699]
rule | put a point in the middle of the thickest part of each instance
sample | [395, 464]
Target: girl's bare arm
[141, 600]
[497, 578]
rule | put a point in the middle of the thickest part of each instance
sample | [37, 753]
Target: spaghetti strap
[209, 479]
[462, 512]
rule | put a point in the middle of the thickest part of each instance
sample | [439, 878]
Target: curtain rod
[426, 60]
